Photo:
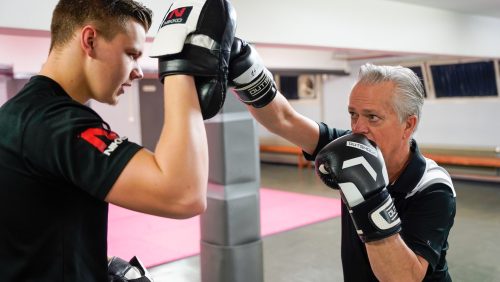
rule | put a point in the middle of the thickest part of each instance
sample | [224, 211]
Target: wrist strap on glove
[260, 92]
[252, 81]
[376, 218]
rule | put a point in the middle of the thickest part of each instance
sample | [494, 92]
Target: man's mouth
[122, 88]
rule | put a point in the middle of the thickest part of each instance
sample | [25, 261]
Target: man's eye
[133, 56]
[373, 118]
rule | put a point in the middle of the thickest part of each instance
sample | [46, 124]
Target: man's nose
[136, 73]
[359, 126]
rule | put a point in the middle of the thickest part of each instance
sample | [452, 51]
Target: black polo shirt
[425, 200]
[58, 161]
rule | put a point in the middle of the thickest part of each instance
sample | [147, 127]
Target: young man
[61, 164]
[385, 106]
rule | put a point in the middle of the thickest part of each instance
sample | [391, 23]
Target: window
[288, 86]
[476, 79]
[297, 87]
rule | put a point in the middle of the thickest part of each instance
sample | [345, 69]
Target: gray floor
[312, 253]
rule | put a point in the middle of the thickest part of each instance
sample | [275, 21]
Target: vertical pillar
[231, 245]
[5, 75]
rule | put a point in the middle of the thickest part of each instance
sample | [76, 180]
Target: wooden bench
[465, 160]
[287, 150]
[440, 158]
[469, 161]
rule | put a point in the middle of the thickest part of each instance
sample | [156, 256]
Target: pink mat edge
[273, 190]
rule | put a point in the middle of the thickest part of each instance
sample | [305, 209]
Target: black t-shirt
[58, 161]
[425, 200]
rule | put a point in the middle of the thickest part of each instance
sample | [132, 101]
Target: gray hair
[409, 90]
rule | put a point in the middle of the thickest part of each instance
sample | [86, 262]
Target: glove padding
[120, 270]
[195, 39]
[356, 166]
[252, 81]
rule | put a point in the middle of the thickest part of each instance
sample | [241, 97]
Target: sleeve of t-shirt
[326, 135]
[427, 222]
[71, 144]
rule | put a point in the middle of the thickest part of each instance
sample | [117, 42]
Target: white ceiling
[489, 8]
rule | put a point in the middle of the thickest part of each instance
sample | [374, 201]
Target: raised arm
[172, 181]
[356, 166]
[193, 47]
[255, 86]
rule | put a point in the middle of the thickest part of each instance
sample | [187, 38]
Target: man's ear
[88, 39]
[411, 125]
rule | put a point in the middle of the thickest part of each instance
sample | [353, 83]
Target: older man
[385, 107]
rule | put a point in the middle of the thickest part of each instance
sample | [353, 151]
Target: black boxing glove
[195, 38]
[356, 166]
[252, 81]
[120, 270]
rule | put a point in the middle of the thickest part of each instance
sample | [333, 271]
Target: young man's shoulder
[42, 99]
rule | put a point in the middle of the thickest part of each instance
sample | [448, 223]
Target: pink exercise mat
[156, 240]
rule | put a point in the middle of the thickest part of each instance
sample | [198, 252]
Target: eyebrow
[364, 111]
[134, 51]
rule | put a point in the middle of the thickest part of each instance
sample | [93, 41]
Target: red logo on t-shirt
[94, 136]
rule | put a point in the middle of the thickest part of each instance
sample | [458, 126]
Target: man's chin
[112, 101]
[109, 100]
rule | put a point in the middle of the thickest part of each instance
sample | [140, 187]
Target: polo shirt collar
[412, 174]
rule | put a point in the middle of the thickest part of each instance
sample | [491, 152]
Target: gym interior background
[314, 49]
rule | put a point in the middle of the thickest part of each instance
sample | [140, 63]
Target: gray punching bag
[231, 245]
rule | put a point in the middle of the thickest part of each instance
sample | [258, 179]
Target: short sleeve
[326, 135]
[71, 144]
[427, 222]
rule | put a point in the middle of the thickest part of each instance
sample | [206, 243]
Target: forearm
[281, 119]
[181, 152]
[392, 260]
[254, 85]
